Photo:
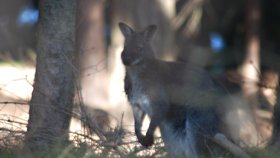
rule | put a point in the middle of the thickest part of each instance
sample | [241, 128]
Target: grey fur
[170, 94]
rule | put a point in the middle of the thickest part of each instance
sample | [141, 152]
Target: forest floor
[15, 92]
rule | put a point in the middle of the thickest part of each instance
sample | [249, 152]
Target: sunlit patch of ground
[16, 81]
[15, 92]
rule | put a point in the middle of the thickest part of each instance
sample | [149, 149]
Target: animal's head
[137, 46]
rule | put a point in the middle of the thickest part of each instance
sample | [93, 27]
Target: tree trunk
[251, 65]
[92, 52]
[275, 139]
[92, 62]
[250, 69]
[52, 97]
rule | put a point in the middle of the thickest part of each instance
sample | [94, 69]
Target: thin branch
[12, 131]
[14, 102]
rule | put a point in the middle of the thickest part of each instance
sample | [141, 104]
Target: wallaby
[179, 98]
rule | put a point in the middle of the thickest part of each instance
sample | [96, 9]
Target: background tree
[52, 97]
[275, 139]
[91, 49]
[17, 37]
[91, 61]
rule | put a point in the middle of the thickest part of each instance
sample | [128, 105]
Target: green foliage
[83, 151]
[8, 154]
[71, 151]
[266, 153]
[63, 151]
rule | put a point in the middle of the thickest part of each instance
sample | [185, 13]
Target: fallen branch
[13, 102]
[222, 140]
[12, 131]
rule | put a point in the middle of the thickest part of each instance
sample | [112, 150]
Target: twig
[221, 140]
[13, 121]
[12, 131]
[14, 102]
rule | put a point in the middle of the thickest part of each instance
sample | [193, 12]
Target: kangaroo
[178, 98]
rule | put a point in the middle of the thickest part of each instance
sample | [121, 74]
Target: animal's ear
[125, 29]
[150, 31]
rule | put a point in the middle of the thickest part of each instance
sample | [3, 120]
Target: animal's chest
[139, 92]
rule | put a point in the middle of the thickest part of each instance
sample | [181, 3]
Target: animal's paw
[147, 140]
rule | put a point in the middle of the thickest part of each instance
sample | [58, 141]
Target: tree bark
[250, 69]
[92, 62]
[52, 97]
[251, 65]
[92, 51]
[275, 139]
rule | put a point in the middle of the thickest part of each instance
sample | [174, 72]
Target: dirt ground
[16, 89]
